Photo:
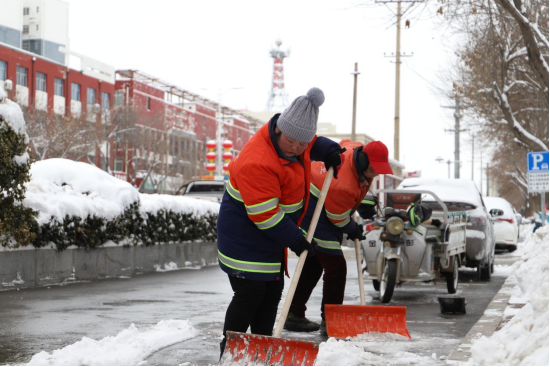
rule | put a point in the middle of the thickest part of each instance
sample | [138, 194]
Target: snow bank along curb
[492, 319]
[516, 321]
[38, 267]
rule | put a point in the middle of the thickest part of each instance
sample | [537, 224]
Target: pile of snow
[12, 114]
[128, 348]
[152, 203]
[60, 187]
[524, 339]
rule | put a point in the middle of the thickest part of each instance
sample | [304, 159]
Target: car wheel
[512, 248]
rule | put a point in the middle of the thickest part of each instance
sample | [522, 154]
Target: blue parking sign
[537, 162]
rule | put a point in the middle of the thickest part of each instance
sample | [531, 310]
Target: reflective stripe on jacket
[263, 205]
[343, 198]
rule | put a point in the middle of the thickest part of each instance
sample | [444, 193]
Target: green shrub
[130, 228]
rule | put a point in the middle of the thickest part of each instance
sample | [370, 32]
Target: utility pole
[354, 102]
[473, 139]
[487, 174]
[397, 84]
[457, 131]
[398, 56]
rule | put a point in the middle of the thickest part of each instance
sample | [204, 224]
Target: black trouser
[334, 282]
[254, 304]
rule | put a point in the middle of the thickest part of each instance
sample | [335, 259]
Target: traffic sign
[537, 171]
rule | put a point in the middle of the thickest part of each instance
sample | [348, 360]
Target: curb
[494, 318]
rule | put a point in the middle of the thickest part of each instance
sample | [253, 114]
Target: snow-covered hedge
[17, 225]
[76, 204]
[80, 205]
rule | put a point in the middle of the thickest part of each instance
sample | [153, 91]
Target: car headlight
[395, 225]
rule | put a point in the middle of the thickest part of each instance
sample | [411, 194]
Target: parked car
[463, 195]
[211, 190]
[506, 224]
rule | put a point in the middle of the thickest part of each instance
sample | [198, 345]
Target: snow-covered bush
[80, 205]
[17, 224]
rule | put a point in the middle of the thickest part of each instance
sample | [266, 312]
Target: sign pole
[542, 211]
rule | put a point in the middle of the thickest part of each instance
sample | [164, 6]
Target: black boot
[222, 347]
[295, 323]
[323, 328]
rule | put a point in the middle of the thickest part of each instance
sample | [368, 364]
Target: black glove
[304, 245]
[335, 159]
[357, 233]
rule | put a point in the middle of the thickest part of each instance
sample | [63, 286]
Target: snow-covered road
[91, 323]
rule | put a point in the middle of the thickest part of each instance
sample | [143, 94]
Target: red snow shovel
[350, 320]
[250, 349]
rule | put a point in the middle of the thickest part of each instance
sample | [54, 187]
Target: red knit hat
[378, 157]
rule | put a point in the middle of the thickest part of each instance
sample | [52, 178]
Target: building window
[3, 70]
[105, 100]
[75, 92]
[148, 103]
[37, 9]
[37, 26]
[118, 164]
[25, 29]
[26, 45]
[41, 81]
[119, 98]
[58, 87]
[91, 97]
[22, 76]
[25, 11]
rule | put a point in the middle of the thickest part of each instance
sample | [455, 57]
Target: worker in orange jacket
[264, 203]
[362, 163]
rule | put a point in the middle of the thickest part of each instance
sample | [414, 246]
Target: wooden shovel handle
[360, 272]
[303, 255]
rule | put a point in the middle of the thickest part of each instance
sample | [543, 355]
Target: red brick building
[170, 126]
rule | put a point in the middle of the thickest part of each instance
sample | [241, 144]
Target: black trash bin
[452, 305]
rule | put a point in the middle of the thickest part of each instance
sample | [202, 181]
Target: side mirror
[518, 217]
[496, 212]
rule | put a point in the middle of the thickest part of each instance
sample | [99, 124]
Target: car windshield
[207, 188]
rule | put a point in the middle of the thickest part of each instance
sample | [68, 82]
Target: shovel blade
[261, 350]
[350, 320]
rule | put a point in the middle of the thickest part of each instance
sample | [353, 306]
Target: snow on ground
[60, 187]
[12, 114]
[524, 339]
[130, 347]
[379, 349]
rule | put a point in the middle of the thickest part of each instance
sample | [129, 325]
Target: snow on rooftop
[448, 190]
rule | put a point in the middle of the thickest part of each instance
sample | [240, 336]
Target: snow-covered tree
[17, 223]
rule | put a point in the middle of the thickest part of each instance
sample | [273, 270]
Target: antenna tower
[278, 97]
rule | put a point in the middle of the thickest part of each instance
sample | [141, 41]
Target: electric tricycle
[410, 242]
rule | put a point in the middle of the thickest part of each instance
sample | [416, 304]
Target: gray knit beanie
[299, 121]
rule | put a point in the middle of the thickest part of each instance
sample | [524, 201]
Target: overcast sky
[205, 46]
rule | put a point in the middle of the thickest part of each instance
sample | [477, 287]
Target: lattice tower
[278, 97]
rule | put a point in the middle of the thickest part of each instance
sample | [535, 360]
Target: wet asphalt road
[49, 318]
